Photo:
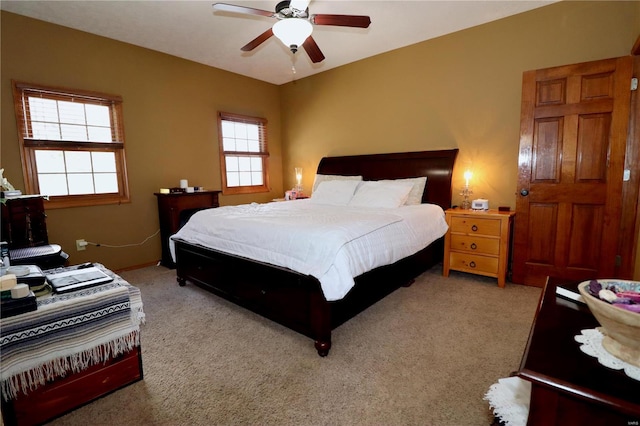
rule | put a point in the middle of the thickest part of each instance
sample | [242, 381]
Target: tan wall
[170, 107]
[462, 90]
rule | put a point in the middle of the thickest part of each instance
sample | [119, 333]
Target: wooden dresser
[478, 242]
[175, 209]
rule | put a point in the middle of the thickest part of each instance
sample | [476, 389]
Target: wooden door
[573, 135]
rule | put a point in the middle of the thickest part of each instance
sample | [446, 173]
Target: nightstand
[175, 209]
[478, 242]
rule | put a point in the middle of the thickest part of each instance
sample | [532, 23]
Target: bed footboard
[286, 297]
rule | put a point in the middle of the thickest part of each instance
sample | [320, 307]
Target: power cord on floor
[125, 245]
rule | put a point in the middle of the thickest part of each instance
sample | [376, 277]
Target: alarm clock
[480, 204]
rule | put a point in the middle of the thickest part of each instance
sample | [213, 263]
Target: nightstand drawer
[475, 225]
[473, 263]
[475, 244]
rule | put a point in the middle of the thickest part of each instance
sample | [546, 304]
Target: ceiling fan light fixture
[293, 32]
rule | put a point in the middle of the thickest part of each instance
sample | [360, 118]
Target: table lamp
[466, 190]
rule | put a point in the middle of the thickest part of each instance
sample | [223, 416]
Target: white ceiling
[192, 30]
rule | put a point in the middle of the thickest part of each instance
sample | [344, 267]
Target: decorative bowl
[620, 327]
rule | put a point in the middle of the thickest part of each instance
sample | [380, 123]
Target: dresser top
[178, 194]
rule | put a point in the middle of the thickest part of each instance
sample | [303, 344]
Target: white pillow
[323, 178]
[415, 196]
[389, 194]
[334, 192]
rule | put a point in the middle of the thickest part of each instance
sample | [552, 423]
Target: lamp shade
[298, 175]
[293, 31]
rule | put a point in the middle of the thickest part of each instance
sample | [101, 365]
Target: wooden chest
[69, 392]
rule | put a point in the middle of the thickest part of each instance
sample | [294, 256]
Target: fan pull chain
[293, 68]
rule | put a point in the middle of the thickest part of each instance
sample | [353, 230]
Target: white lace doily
[591, 344]
[509, 399]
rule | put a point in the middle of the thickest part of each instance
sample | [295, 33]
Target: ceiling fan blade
[224, 7]
[313, 50]
[357, 21]
[257, 41]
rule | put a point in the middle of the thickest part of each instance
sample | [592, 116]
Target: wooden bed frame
[296, 300]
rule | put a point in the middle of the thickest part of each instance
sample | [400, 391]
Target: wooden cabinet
[24, 222]
[478, 242]
[174, 211]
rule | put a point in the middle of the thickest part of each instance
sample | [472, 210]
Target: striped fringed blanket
[68, 333]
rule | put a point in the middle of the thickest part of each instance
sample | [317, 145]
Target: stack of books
[12, 307]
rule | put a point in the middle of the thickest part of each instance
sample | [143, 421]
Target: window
[243, 154]
[72, 145]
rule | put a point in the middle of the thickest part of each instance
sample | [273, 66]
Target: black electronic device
[77, 279]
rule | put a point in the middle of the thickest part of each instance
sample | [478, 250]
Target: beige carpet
[425, 355]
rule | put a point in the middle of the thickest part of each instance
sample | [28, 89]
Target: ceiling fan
[295, 25]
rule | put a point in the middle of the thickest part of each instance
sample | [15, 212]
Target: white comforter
[332, 243]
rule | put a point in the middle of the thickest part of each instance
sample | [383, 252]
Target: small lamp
[298, 180]
[466, 190]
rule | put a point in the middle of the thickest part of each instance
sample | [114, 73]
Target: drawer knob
[474, 228]
[473, 246]
[263, 292]
[472, 264]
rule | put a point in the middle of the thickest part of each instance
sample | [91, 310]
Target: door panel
[574, 122]
[547, 150]
[593, 136]
[544, 218]
[585, 236]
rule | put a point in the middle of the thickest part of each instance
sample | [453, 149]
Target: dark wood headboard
[437, 166]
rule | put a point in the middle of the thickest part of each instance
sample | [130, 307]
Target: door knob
[524, 192]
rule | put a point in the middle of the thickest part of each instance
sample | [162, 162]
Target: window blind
[261, 136]
[52, 115]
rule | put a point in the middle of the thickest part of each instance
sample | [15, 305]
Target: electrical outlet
[81, 245]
